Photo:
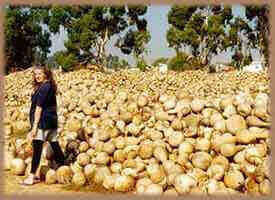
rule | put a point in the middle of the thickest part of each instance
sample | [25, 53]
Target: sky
[156, 17]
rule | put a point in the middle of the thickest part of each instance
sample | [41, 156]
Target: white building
[255, 66]
[163, 68]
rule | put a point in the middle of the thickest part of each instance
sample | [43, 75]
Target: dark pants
[37, 146]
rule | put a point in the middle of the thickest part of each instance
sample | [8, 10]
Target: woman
[43, 119]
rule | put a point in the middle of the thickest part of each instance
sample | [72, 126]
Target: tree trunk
[177, 51]
[262, 50]
[205, 56]
[102, 45]
[203, 52]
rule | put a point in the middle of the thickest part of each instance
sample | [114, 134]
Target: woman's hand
[31, 135]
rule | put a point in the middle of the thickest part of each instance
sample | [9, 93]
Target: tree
[201, 29]
[261, 30]
[178, 17]
[216, 26]
[249, 33]
[239, 43]
[183, 61]
[90, 28]
[25, 40]
[68, 60]
[114, 62]
[137, 36]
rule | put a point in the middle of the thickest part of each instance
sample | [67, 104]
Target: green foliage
[90, 28]
[255, 28]
[175, 38]
[247, 60]
[200, 28]
[182, 32]
[180, 15]
[51, 63]
[237, 59]
[141, 64]
[239, 30]
[115, 62]
[240, 60]
[39, 58]
[123, 63]
[160, 60]
[179, 62]
[260, 33]
[65, 60]
[183, 61]
[196, 63]
[210, 30]
[26, 42]
[135, 40]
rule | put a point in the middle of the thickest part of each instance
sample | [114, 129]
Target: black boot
[58, 154]
[37, 146]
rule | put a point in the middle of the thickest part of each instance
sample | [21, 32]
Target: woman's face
[39, 75]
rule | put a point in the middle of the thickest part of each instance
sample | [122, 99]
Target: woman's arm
[41, 99]
[37, 116]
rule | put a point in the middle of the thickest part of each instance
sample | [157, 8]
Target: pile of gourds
[153, 133]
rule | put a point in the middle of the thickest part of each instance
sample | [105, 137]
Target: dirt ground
[11, 186]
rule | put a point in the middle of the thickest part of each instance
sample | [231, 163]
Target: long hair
[49, 77]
